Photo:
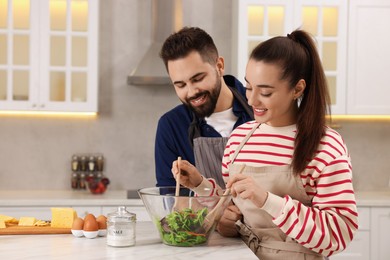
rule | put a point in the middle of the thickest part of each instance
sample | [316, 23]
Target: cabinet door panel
[359, 249]
[369, 51]
[380, 233]
[48, 56]
[326, 20]
[364, 218]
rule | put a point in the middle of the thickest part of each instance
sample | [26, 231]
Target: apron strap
[243, 142]
[193, 129]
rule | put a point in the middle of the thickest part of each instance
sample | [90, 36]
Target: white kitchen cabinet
[326, 20]
[48, 55]
[44, 213]
[380, 233]
[140, 212]
[359, 248]
[368, 54]
[83, 211]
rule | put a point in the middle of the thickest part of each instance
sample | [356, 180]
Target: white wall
[35, 152]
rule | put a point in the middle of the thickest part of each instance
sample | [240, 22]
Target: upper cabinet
[48, 55]
[368, 56]
[356, 75]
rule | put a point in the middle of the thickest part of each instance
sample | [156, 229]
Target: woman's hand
[226, 225]
[245, 187]
[189, 177]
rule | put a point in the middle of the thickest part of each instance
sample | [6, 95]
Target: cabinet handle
[42, 105]
[34, 105]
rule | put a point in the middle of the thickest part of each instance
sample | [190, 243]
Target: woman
[294, 198]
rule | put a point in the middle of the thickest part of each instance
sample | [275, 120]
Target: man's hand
[189, 177]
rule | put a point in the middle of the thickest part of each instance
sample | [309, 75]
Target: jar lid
[121, 215]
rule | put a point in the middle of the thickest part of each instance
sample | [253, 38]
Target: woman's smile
[259, 111]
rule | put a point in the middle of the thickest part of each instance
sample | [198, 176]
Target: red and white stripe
[329, 224]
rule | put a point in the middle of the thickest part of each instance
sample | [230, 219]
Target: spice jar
[121, 228]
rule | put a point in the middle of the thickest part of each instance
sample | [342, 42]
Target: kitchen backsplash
[369, 145]
[36, 151]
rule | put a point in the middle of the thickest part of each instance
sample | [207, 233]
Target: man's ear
[220, 66]
[299, 88]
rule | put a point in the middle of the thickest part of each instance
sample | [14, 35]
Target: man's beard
[207, 108]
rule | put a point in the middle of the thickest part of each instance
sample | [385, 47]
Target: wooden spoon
[177, 191]
[215, 214]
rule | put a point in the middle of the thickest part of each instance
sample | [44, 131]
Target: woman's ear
[299, 88]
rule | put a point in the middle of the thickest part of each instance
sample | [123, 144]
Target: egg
[102, 222]
[90, 223]
[89, 216]
[78, 224]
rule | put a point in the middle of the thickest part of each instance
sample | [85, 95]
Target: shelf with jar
[88, 173]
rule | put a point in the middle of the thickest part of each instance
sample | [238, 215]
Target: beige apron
[257, 230]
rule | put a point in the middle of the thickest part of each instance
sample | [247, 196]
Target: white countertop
[113, 198]
[65, 198]
[148, 246]
[373, 198]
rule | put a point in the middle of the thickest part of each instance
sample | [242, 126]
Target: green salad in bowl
[183, 228]
[180, 220]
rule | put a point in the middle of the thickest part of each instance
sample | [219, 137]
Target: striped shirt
[328, 225]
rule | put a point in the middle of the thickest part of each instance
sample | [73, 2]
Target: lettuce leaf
[183, 228]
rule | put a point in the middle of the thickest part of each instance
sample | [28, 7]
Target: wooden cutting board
[20, 230]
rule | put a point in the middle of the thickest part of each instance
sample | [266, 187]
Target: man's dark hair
[188, 39]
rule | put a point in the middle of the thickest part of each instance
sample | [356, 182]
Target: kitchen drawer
[358, 249]
[364, 218]
[140, 211]
[43, 213]
[82, 211]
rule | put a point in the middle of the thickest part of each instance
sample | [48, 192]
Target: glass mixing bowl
[183, 220]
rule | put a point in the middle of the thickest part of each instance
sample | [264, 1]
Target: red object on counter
[98, 186]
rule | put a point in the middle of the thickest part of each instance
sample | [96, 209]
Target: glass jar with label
[121, 228]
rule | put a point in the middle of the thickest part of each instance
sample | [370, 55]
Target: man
[213, 105]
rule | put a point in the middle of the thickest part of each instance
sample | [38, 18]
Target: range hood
[167, 17]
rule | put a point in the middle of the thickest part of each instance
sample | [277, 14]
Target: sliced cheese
[8, 219]
[2, 224]
[41, 223]
[27, 221]
[62, 217]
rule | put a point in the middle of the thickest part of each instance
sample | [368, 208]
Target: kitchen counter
[148, 246]
[373, 198]
[115, 198]
[66, 198]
